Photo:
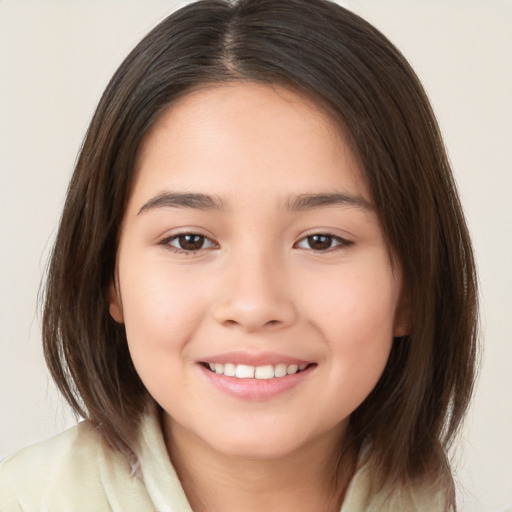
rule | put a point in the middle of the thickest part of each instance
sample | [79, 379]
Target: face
[253, 278]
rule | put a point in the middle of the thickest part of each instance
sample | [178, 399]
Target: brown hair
[349, 68]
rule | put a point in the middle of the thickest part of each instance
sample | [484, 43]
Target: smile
[266, 372]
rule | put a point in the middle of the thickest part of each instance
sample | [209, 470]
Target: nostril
[251, 314]
[270, 323]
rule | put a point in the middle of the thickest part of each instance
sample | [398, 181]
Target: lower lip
[256, 389]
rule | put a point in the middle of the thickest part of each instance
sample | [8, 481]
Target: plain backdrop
[55, 60]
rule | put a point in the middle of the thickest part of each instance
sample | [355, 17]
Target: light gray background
[55, 60]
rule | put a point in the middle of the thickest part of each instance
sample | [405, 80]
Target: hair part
[354, 73]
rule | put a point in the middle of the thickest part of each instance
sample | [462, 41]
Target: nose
[255, 295]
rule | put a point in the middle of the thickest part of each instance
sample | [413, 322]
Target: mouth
[264, 372]
[268, 377]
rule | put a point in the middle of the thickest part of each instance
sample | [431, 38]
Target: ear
[115, 305]
[402, 324]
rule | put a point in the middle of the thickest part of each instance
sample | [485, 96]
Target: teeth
[229, 370]
[264, 372]
[243, 371]
[293, 368]
[280, 370]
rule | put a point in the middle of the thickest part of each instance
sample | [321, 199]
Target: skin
[257, 284]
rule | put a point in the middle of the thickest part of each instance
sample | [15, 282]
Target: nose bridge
[255, 294]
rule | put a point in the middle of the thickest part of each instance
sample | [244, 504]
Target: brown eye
[189, 242]
[320, 242]
[323, 242]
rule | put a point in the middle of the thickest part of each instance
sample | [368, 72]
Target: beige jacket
[76, 472]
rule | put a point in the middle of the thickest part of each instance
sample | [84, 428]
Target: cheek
[161, 311]
[358, 305]
[355, 314]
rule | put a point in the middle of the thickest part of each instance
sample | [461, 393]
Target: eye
[189, 242]
[323, 242]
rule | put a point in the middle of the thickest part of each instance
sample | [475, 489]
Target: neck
[302, 480]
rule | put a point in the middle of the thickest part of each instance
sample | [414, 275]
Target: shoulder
[42, 471]
[365, 495]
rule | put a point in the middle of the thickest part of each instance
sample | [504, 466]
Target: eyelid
[342, 242]
[165, 241]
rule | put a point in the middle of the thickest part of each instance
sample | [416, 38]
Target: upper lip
[254, 359]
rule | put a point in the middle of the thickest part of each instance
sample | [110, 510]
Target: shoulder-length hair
[353, 72]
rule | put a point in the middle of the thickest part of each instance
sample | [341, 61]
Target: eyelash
[340, 242]
[167, 243]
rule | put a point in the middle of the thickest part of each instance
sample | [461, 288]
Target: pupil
[191, 242]
[320, 242]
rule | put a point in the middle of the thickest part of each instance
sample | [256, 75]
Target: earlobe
[402, 325]
[115, 305]
[401, 329]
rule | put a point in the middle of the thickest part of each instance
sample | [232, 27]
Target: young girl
[262, 294]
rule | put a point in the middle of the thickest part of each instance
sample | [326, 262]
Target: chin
[263, 443]
[258, 449]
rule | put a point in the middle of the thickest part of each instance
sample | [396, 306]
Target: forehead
[229, 138]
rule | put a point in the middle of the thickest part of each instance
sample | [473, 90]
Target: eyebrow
[210, 202]
[311, 201]
[183, 200]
